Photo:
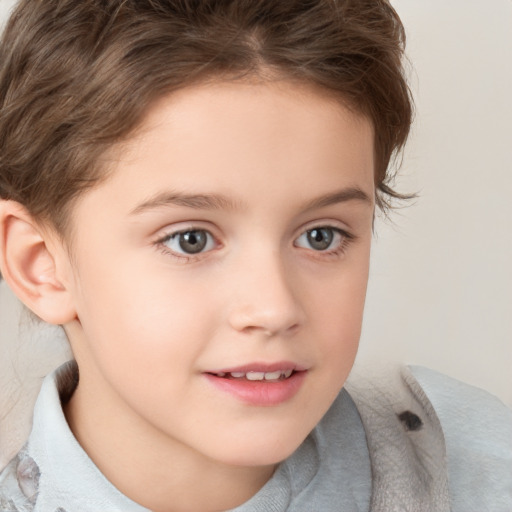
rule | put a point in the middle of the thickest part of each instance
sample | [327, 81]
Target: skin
[149, 322]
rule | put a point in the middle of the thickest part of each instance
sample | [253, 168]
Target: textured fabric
[471, 458]
[478, 434]
[406, 445]
[382, 446]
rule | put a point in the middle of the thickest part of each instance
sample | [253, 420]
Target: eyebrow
[221, 202]
[195, 201]
[341, 196]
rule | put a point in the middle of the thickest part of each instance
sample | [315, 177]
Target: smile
[259, 385]
[256, 376]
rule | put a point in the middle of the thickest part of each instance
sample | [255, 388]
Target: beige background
[440, 292]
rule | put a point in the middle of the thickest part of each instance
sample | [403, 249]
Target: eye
[192, 241]
[321, 239]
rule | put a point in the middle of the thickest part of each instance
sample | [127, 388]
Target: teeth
[256, 376]
[273, 375]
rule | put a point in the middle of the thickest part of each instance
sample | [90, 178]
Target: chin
[260, 450]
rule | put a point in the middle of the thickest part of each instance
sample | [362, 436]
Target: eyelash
[346, 239]
[182, 257]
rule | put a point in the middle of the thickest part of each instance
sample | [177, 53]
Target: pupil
[193, 241]
[320, 238]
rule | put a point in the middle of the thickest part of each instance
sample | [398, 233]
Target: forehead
[239, 139]
[232, 120]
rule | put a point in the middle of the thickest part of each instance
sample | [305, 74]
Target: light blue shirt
[330, 471]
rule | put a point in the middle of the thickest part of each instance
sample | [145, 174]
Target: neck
[151, 468]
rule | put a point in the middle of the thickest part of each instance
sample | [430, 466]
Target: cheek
[338, 311]
[145, 316]
[340, 299]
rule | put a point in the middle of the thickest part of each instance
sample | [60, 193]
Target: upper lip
[261, 367]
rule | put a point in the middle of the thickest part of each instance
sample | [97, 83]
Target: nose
[265, 298]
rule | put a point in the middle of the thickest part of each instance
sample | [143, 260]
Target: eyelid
[334, 253]
[183, 227]
[325, 223]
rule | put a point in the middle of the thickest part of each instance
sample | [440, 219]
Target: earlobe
[29, 265]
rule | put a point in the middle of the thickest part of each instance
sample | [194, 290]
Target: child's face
[233, 235]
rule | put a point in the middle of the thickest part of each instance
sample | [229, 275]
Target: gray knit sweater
[417, 441]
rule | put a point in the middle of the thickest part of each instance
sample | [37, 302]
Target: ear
[34, 263]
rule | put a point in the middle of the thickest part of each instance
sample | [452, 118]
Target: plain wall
[440, 290]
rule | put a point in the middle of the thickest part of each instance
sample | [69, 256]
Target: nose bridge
[265, 298]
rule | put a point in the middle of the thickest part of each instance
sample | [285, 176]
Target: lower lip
[260, 393]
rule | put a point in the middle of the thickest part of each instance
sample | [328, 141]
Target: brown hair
[78, 76]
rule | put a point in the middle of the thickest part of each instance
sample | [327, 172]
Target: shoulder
[477, 428]
[457, 434]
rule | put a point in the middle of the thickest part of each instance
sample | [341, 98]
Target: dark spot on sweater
[412, 422]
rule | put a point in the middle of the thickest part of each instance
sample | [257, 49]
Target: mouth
[254, 376]
[260, 384]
